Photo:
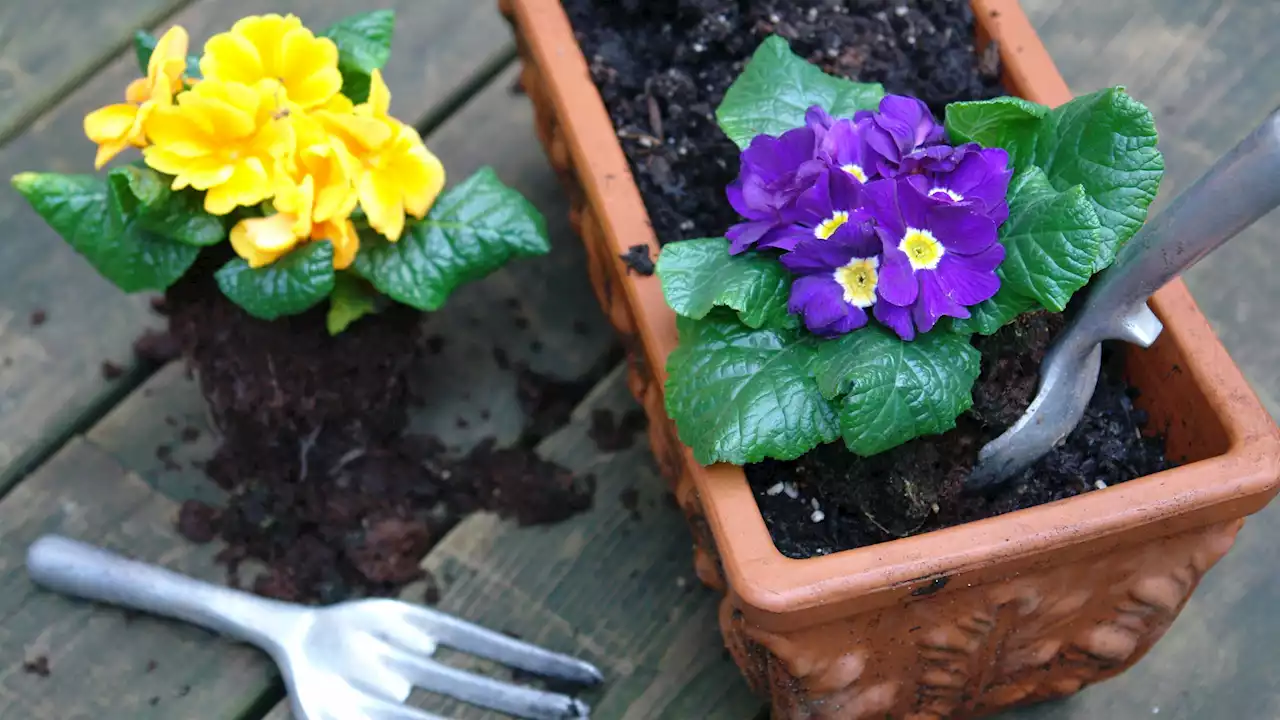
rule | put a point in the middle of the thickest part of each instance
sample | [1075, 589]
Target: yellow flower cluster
[267, 121]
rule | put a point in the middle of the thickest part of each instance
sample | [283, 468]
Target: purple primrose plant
[874, 243]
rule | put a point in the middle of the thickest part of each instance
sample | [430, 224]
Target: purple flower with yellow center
[842, 143]
[979, 181]
[830, 210]
[836, 281]
[939, 257]
[774, 172]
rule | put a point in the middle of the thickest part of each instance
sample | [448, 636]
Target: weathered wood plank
[611, 586]
[1209, 71]
[45, 47]
[50, 375]
[104, 663]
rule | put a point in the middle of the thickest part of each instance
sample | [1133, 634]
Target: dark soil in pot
[662, 68]
[323, 487]
[831, 500]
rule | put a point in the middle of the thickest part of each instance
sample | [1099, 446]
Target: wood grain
[47, 47]
[50, 375]
[104, 663]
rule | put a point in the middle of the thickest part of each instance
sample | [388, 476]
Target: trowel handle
[1238, 190]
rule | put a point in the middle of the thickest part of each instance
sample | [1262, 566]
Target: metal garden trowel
[1237, 191]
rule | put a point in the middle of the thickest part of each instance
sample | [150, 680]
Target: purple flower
[835, 281]
[905, 138]
[774, 172]
[844, 147]
[939, 257]
[830, 210]
[979, 181]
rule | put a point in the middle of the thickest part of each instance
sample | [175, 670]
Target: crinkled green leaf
[776, 88]
[891, 391]
[1104, 141]
[144, 43]
[352, 299]
[473, 229]
[741, 395]
[98, 221]
[1004, 122]
[173, 215]
[698, 275]
[1051, 240]
[364, 44]
[290, 285]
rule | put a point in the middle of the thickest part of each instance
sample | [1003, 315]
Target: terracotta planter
[959, 622]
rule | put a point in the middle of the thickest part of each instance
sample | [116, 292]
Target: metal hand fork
[1237, 191]
[353, 660]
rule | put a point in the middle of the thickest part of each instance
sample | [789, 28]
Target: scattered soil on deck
[325, 490]
[662, 68]
[611, 433]
[38, 666]
[843, 501]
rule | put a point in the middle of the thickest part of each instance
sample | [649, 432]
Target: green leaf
[894, 391]
[1051, 240]
[94, 219]
[364, 44]
[173, 215]
[990, 315]
[293, 284]
[698, 275]
[1104, 141]
[777, 87]
[352, 299]
[473, 229]
[144, 43]
[1005, 122]
[741, 395]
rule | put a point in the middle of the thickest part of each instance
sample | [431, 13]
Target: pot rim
[769, 585]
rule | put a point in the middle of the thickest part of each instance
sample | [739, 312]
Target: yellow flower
[116, 127]
[395, 173]
[315, 205]
[225, 138]
[280, 48]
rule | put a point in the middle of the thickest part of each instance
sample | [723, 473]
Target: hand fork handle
[1238, 190]
[85, 571]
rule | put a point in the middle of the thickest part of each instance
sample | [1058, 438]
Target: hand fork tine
[366, 654]
[482, 642]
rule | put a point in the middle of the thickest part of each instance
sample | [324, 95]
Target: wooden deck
[78, 451]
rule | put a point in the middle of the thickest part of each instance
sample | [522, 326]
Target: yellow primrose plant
[281, 142]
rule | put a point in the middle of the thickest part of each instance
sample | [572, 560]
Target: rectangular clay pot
[959, 622]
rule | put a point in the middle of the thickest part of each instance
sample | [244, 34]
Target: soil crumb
[111, 371]
[612, 434]
[39, 666]
[637, 258]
